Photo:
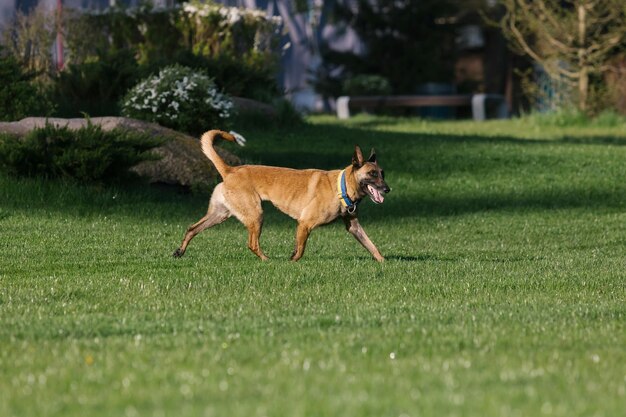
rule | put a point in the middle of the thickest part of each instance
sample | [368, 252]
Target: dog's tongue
[375, 194]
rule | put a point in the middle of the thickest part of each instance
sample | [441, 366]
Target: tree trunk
[583, 89]
[583, 77]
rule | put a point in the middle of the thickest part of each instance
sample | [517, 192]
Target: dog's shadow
[418, 258]
[405, 258]
[408, 258]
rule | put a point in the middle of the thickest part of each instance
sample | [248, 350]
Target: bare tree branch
[570, 43]
[548, 14]
[521, 40]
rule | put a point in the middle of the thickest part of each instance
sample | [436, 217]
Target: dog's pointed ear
[357, 158]
[372, 157]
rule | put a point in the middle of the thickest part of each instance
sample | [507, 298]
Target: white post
[478, 107]
[343, 107]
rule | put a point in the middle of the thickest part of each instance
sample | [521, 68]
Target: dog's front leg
[354, 227]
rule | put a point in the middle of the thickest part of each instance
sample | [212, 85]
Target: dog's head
[369, 176]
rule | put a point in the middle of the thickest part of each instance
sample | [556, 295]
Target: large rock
[182, 161]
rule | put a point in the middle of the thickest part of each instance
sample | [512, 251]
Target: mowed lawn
[503, 293]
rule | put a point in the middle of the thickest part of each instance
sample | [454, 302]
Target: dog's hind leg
[302, 234]
[247, 208]
[217, 213]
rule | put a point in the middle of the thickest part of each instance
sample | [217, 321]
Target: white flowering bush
[179, 98]
[232, 15]
[213, 29]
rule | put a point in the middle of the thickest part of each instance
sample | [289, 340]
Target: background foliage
[406, 42]
[19, 95]
[109, 52]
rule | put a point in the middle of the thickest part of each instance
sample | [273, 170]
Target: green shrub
[96, 86]
[88, 154]
[179, 98]
[360, 85]
[288, 115]
[19, 95]
[609, 118]
[570, 117]
[560, 118]
[252, 77]
[285, 117]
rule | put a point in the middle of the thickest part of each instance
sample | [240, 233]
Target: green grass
[503, 293]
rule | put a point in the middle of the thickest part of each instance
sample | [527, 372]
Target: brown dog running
[312, 197]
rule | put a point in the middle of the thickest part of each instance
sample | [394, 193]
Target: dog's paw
[178, 253]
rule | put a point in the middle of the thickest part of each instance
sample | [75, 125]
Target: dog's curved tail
[206, 142]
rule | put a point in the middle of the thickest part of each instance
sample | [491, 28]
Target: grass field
[503, 293]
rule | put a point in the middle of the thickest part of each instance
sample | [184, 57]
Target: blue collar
[343, 194]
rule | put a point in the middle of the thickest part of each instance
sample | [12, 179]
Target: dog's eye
[374, 174]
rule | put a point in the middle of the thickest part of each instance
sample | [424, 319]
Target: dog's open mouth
[376, 196]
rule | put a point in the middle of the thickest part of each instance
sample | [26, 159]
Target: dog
[310, 196]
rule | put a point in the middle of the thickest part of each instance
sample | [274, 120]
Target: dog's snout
[386, 189]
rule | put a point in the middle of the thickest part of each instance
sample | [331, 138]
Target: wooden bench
[478, 103]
